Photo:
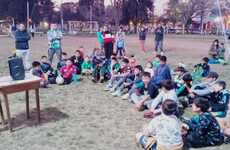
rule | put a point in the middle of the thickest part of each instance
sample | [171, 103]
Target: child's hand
[185, 126]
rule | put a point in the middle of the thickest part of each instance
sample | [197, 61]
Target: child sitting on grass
[87, 66]
[117, 79]
[68, 72]
[154, 105]
[164, 131]
[132, 61]
[115, 66]
[37, 71]
[149, 68]
[206, 87]
[48, 70]
[219, 100]
[179, 73]
[144, 91]
[133, 79]
[63, 60]
[200, 70]
[202, 130]
[78, 59]
[156, 61]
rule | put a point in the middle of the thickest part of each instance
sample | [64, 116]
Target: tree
[39, 9]
[96, 7]
[136, 11]
[185, 12]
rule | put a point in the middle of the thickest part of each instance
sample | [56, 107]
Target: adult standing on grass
[22, 38]
[108, 43]
[142, 37]
[54, 38]
[159, 38]
[100, 38]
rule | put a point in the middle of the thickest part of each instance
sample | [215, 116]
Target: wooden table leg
[38, 104]
[2, 114]
[7, 111]
[27, 105]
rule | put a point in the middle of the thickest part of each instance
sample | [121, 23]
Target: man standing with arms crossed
[54, 38]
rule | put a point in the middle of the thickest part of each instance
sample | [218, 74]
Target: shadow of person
[48, 115]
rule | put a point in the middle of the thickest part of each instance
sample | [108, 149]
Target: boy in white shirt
[163, 131]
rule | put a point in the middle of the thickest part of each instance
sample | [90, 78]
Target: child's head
[222, 45]
[169, 107]
[69, 62]
[205, 60]
[64, 55]
[167, 85]
[79, 53]
[87, 58]
[212, 76]
[36, 65]
[114, 60]
[146, 77]
[163, 60]
[44, 59]
[138, 69]
[180, 71]
[216, 42]
[81, 48]
[200, 105]
[219, 86]
[187, 78]
[124, 63]
[149, 65]
[158, 57]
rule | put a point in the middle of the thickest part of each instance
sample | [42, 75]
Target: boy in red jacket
[68, 71]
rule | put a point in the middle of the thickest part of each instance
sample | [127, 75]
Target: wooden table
[8, 86]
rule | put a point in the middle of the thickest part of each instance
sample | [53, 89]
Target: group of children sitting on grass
[162, 93]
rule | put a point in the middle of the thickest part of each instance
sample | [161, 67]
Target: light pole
[61, 15]
[27, 14]
[91, 18]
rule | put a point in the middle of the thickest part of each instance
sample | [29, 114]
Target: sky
[160, 5]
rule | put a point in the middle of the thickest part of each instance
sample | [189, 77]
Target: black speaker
[16, 67]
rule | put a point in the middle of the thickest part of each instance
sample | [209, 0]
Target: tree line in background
[119, 12]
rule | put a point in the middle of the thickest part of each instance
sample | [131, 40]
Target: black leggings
[108, 47]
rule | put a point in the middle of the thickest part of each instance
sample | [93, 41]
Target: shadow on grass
[48, 115]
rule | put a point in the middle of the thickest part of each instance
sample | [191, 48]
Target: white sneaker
[125, 97]
[112, 90]
[114, 94]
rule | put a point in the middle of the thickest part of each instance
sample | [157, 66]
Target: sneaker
[125, 97]
[106, 89]
[114, 94]
[112, 89]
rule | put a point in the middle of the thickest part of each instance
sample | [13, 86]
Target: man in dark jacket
[159, 38]
[22, 38]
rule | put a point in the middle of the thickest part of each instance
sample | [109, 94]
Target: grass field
[82, 116]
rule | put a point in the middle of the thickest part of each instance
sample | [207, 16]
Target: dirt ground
[82, 116]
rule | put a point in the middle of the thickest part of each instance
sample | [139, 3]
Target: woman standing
[108, 43]
[142, 37]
